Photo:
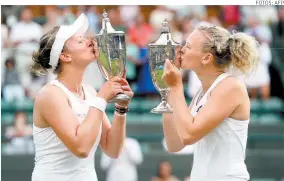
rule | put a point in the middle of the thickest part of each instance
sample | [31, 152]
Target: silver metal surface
[112, 53]
[164, 48]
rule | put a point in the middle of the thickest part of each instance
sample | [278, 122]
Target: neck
[207, 79]
[72, 79]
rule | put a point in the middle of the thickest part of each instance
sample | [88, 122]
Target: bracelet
[119, 106]
[97, 102]
[121, 110]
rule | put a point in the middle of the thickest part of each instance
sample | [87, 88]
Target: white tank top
[220, 155]
[53, 160]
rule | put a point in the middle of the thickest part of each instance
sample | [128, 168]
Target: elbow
[113, 155]
[189, 140]
[81, 153]
[174, 149]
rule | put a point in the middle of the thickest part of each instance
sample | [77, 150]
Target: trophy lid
[165, 37]
[106, 25]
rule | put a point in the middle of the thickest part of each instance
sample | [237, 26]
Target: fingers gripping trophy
[164, 48]
[112, 53]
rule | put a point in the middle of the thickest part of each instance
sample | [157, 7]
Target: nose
[89, 41]
[182, 50]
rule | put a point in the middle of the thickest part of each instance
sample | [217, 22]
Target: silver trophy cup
[165, 47]
[112, 53]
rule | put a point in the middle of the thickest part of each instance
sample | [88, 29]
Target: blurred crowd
[21, 32]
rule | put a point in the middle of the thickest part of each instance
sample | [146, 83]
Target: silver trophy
[112, 53]
[165, 47]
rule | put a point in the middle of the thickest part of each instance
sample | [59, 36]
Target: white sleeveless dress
[53, 160]
[220, 155]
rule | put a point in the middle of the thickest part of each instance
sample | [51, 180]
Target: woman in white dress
[69, 118]
[218, 116]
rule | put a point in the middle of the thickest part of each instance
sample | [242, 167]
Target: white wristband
[97, 102]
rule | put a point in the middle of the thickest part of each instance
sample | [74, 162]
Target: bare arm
[113, 135]
[54, 108]
[225, 98]
[173, 138]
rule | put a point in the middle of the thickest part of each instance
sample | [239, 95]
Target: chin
[182, 65]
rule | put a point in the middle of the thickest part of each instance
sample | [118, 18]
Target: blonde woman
[218, 116]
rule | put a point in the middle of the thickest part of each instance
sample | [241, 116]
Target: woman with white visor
[69, 118]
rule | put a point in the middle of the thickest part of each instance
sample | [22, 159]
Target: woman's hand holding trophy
[164, 57]
[112, 58]
[164, 48]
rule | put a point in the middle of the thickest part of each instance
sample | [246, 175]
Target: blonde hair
[237, 50]
[41, 57]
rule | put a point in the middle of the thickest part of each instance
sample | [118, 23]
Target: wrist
[121, 110]
[98, 103]
[101, 96]
[177, 89]
[120, 114]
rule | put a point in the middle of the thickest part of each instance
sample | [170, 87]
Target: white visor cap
[81, 25]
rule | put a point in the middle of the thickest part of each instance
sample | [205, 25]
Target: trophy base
[120, 97]
[163, 107]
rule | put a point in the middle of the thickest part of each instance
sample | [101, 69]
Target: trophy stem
[120, 97]
[163, 107]
[164, 95]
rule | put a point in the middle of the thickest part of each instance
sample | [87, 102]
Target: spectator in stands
[164, 172]
[217, 119]
[12, 88]
[231, 15]
[141, 33]
[5, 50]
[94, 18]
[116, 21]
[278, 51]
[175, 32]
[25, 43]
[278, 30]
[132, 60]
[128, 13]
[180, 11]
[187, 27]
[20, 128]
[124, 167]
[66, 16]
[260, 78]
[158, 15]
[19, 135]
[265, 14]
[51, 19]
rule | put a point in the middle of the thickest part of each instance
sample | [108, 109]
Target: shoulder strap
[60, 85]
[219, 79]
